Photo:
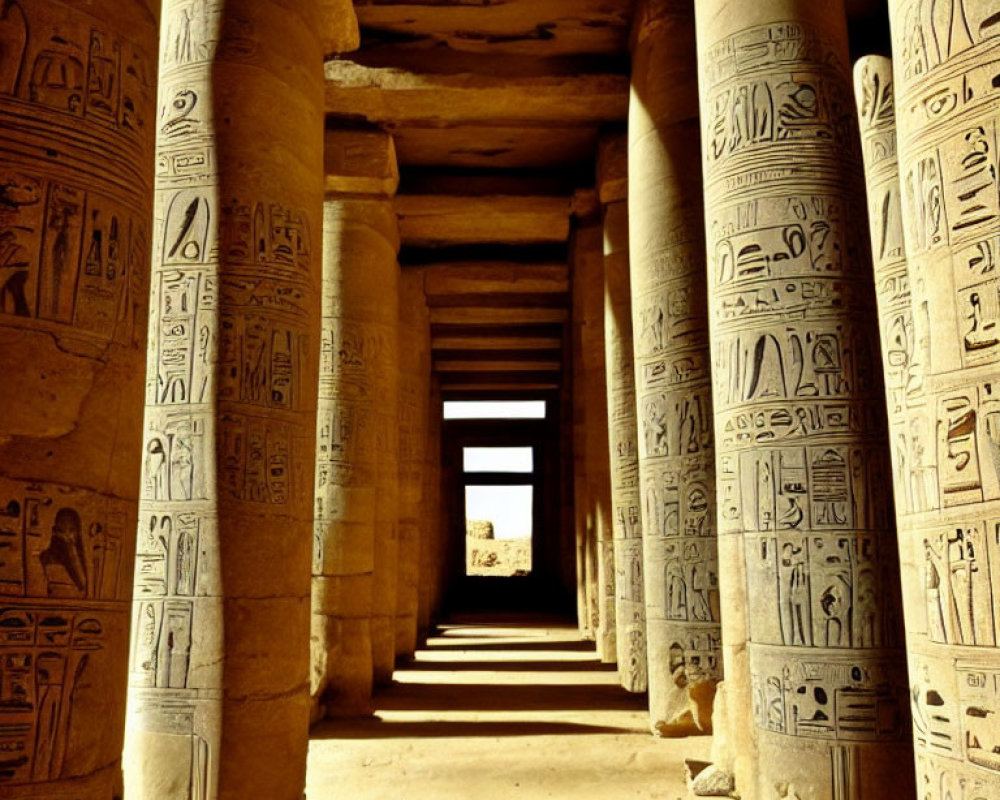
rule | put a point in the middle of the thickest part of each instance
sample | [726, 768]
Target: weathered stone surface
[626, 520]
[945, 437]
[673, 391]
[708, 780]
[807, 551]
[339, 29]
[220, 659]
[77, 128]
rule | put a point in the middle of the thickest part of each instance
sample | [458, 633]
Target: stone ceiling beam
[493, 278]
[516, 27]
[439, 220]
[404, 98]
[488, 343]
[497, 316]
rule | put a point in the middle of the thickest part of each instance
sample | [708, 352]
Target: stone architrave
[588, 288]
[807, 549]
[219, 670]
[414, 407]
[358, 380]
[630, 609]
[77, 133]
[673, 388]
[945, 67]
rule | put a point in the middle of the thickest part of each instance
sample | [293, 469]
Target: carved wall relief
[673, 392]
[230, 401]
[77, 111]
[803, 500]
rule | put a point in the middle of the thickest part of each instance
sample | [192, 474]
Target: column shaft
[414, 406]
[357, 366]
[588, 288]
[945, 57]
[806, 537]
[221, 615]
[630, 609]
[77, 127]
[673, 389]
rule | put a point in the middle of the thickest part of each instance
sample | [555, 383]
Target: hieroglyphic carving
[626, 502]
[801, 469]
[76, 157]
[945, 425]
[228, 431]
[673, 390]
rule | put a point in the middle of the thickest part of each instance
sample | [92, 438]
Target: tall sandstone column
[220, 661]
[77, 122]
[945, 65]
[630, 609]
[806, 540]
[357, 367]
[414, 407]
[673, 390]
[588, 289]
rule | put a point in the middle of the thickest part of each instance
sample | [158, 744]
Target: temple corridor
[484, 399]
[499, 706]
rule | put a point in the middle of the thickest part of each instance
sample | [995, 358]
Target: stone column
[434, 556]
[588, 289]
[673, 391]
[220, 659]
[357, 380]
[630, 609]
[77, 122]
[945, 69]
[414, 406]
[806, 539]
[581, 500]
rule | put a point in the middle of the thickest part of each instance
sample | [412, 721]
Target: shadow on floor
[508, 666]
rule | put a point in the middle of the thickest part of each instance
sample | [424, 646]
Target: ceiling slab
[516, 27]
[390, 96]
[497, 277]
[497, 316]
[448, 220]
[492, 146]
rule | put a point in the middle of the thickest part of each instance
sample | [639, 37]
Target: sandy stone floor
[492, 709]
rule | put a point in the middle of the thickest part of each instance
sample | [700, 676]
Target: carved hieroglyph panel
[672, 379]
[947, 465]
[77, 112]
[626, 514]
[802, 463]
[227, 476]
